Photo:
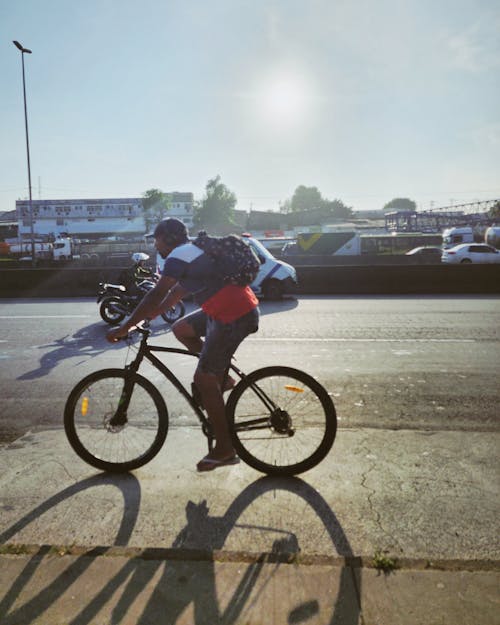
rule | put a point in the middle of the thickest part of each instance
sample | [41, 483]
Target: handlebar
[144, 328]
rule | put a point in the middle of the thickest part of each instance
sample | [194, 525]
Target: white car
[276, 278]
[471, 253]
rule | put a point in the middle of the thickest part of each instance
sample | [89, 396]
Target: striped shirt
[195, 271]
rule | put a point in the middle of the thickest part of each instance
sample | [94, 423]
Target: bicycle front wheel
[283, 421]
[108, 437]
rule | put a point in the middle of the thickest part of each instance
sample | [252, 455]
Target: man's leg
[190, 329]
[210, 388]
[186, 331]
[221, 342]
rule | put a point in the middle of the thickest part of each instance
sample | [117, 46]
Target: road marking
[294, 339]
[45, 316]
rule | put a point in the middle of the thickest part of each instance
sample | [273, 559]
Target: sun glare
[284, 100]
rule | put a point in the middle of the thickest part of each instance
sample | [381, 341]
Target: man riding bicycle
[227, 315]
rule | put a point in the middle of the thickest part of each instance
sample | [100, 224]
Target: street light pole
[32, 234]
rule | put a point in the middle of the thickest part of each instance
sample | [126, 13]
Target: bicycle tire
[87, 413]
[110, 316]
[174, 313]
[282, 443]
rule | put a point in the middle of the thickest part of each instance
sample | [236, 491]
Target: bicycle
[282, 421]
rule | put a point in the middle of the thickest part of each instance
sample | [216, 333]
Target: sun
[284, 100]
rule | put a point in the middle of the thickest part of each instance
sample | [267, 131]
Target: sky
[367, 100]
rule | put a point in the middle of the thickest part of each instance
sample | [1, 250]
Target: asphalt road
[429, 363]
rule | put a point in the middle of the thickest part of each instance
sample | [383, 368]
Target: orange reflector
[85, 406]
[294, 389]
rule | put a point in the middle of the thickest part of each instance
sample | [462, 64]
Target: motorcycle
[117, 302]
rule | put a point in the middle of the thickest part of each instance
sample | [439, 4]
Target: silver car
[471, 253]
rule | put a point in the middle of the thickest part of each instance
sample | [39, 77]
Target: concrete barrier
[313, 280]
[399, 280]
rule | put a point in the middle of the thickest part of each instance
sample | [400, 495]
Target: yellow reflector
[294, 389]
[85, 406]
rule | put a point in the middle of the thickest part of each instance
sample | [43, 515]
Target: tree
[306, 198]
[217, 207]
[156, 205]
[401, 204]
[337, 209]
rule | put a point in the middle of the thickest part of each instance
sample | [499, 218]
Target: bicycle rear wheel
[283, 421]
[107, 441]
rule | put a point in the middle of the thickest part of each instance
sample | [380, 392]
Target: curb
[158, 553]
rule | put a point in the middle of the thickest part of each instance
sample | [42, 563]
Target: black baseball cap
[172, 230]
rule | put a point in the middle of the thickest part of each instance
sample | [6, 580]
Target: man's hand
[116, 334]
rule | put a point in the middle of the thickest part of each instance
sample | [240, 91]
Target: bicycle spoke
[283, 420]
[100, 435]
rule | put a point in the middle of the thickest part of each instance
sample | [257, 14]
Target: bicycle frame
[146, 351]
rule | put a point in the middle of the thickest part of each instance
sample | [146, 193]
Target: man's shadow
[187, 569]
[90, 341]
[204, 536]
[86, 343]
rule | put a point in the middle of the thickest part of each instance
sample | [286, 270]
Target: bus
[398, 242]
[354, 243]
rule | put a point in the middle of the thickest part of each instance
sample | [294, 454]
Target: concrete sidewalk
[168, 545]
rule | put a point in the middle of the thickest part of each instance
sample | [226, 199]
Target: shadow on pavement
[131, 492]
[90, 341]
[86, 342]
[186, 574]
[269, 307]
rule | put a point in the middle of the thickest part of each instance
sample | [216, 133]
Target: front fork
[119, 419]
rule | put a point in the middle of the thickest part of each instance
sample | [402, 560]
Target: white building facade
[95, 218]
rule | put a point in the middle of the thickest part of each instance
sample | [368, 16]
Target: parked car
[426, 254]
[471, 253]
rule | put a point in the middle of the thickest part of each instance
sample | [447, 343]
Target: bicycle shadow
[186, 574]
[206, 536]
[131, 492]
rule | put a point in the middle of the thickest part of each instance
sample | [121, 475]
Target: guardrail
[313, 280]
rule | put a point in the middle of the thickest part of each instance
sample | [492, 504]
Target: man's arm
[176, 293]
[150, 306]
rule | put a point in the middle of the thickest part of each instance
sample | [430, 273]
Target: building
[95, 218]
[8, 225]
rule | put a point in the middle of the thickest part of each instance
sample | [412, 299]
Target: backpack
[234, 258]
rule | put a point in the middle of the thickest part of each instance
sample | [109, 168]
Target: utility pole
[24, 51]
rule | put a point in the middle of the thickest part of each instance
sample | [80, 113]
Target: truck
[457, 235]
[492, 236]
[62, 248]
[111, 253]
[65, 248]
[23, 250]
